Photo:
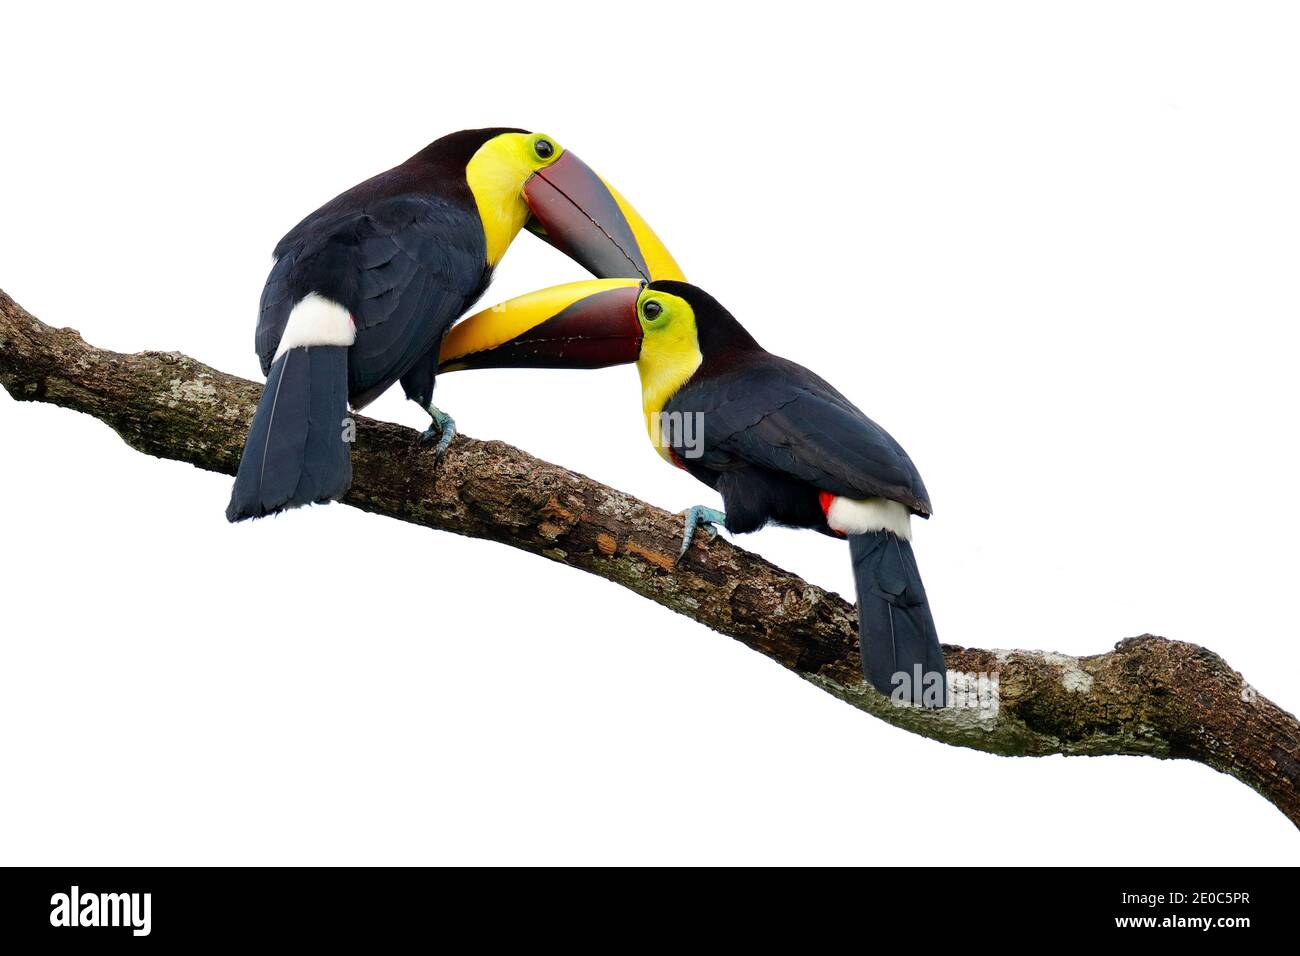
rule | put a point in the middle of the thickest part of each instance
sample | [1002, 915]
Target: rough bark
[1149, 696]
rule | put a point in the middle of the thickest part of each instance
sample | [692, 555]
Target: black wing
[778, 415]
[406, 267]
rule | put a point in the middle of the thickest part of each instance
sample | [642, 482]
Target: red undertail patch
[826, 499]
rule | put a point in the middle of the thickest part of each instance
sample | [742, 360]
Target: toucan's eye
[544, 149]
[652, 310]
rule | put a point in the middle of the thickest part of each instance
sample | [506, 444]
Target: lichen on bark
[1148, 696]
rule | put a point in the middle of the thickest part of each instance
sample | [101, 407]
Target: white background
[1052, 248]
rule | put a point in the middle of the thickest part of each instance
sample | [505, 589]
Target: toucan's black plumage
[777, 442]
[377, 276]
[294, 452]
[768, 422]
[404, 253]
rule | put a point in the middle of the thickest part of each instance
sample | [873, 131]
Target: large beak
[589, 324]
[585, 218]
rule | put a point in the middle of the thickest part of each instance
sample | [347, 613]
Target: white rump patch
[869, 514]
[315, 320]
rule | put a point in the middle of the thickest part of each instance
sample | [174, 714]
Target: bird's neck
[704, 346]
[667, 362]
[482, 167]
[496, 180]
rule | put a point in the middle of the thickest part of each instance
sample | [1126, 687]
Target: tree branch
[1148, 696]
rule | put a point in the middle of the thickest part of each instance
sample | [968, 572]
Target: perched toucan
[776, 441]
[362, 291]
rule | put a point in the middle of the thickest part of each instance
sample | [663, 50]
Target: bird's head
[528, 180]
[666, 327]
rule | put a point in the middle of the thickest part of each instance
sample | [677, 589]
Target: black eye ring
[544, 148]
[652, 310]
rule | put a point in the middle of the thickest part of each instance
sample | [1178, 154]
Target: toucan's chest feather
[665, 367]
[503, 214]
[495, 175]
[767, 415]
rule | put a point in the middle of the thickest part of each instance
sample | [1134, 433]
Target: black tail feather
[895, 628]
[296, 453]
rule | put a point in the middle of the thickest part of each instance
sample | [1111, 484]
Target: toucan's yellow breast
[669, 357]
[496, 175]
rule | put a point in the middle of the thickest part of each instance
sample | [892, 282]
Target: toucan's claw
[696, 517]
[442, 429]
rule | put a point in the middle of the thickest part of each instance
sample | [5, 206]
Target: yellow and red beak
[585, 218]
[590, 324]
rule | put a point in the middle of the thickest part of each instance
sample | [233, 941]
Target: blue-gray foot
[696, 517]
[443, 428]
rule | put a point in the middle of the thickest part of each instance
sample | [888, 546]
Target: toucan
[363, 290]
[775, 440]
